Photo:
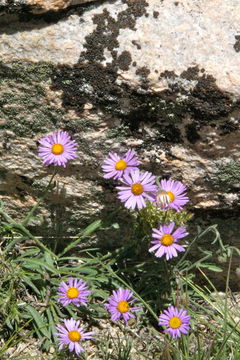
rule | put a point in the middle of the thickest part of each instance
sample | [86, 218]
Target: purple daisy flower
[177, 321]
[71, 334]
[140, 186]
[120, 305]
[171, 195]
[57, 148]
[115, 166]
[73, 292]
[166, 242]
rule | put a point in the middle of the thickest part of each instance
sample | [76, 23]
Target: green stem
[190, 246]
[21, 228]
[5, 347]
[109, 269]
[38, 242]
[31, 212]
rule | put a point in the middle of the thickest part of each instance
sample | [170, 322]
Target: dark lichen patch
[207, 101]
[86, 83]
[192, 73]
[124, 60]
[143, 72]
[25, 106]
[133, 105]
[227, 177]
[94, 83]
[167, 74]
[137, 7]
[107, 30]
[155, 14]
[237, 43]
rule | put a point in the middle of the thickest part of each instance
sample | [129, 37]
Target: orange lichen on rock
[50, 5]
[53, 5]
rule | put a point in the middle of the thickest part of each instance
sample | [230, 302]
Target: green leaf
[86, 232]
[211, 267]
[36, 263]
[91, 228]
[41, 325]
[48, 259]
[79, 269]
[29, 253]
[30, 284]
[51, 323]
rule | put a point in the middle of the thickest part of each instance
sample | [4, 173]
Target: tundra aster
[120, 305]
[74, 291]
[171, 195]
[57, 148]
[177, 322]
[165, 240]
[138, 187]
[115, 165]
[71, 335]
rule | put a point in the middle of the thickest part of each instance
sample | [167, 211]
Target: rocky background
[159, 76]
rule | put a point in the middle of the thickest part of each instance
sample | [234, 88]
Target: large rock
[161, 77]
[37, 6]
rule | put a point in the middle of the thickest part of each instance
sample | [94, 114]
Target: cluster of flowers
[76, 292]
[57, 149]
[137, 188]
[120, 305]
[140, 186]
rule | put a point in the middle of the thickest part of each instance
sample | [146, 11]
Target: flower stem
[21, 228]
[31, 212]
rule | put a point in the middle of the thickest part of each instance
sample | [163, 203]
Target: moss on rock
[227, 177]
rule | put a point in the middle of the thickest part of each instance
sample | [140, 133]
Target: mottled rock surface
[161, 77]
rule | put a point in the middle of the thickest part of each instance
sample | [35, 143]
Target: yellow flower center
[171, 196]
[72, 293]
[167, 239]
[74, 335]
[175, 322]
[123, 306]
[57, 149]
[137, 189]
[121, 165]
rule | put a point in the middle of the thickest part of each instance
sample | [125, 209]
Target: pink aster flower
[71, 334]
[177, 321]
[115, 166]
[165, 242]
[120, 304]
[171, 195]
[139, 186]
[57, 148]
[74, 291]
